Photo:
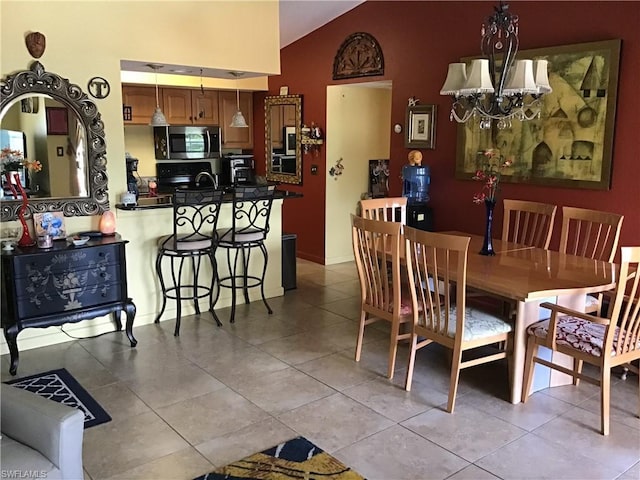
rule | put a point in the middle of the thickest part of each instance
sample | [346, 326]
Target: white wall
[358, 130]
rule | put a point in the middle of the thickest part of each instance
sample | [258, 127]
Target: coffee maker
[132, 181]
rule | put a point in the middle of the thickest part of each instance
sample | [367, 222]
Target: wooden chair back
[376, 247]
[389, 209]
[590, 233]
[626, 308]
[437, 271]
[528, 223]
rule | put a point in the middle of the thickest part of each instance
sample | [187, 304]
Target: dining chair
[602, 342]
[592, 234]
[376, 247]
[528, 223]
[390, 209]
[439, 311]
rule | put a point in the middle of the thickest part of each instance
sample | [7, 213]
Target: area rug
[297, 458]
[60, 386]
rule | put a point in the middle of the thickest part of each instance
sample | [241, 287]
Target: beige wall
[89, 38]
[358, 123]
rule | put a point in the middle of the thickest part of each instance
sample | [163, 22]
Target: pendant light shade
[157, 119]
[238, 120]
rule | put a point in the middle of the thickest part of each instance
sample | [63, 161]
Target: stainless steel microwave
[186, 142]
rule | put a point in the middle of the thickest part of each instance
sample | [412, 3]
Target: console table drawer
[72, 299]
[45, 281]
[66, 261]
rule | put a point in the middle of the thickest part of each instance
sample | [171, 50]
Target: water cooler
[415, 186]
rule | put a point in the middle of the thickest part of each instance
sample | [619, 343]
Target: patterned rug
[60, 386]
[295, 459]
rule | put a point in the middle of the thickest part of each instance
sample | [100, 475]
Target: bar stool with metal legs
[195, 217]
[249, 229]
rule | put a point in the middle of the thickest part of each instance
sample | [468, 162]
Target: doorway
[358, 130]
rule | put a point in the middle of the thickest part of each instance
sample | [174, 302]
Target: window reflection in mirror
[283, 115]
[46, 130]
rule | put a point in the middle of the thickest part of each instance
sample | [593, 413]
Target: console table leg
[11, 336]
[116, 319]
[130, 310]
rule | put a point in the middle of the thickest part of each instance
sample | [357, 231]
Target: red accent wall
[419, 40]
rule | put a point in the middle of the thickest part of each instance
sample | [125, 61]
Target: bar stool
[249, 229]
[195, 217]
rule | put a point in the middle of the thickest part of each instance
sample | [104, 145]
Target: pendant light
[238, 119]
[158, 119]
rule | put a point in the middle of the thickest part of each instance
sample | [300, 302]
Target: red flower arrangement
[490, 174]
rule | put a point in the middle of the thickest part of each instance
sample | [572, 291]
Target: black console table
[64, 284]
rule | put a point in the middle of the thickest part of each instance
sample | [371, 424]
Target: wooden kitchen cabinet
[142, 101]
[233, 137]
[184, 106]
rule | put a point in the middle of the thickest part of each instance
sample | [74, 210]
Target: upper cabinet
[182, 106]
[187, 106]
[142, 101]
[234, 137]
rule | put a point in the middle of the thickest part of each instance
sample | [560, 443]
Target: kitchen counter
[164, 201]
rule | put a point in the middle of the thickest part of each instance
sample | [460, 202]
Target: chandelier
[498, 87]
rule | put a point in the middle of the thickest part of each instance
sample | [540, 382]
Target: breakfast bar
[143, 224]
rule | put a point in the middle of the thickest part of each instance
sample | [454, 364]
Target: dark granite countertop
[164, 201]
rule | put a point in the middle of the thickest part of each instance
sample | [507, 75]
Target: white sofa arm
[53, 429]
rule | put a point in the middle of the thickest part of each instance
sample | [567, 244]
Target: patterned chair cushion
[477, 324]
[577, 333]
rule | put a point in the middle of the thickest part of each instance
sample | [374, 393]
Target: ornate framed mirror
[283, 120]
[56, 124]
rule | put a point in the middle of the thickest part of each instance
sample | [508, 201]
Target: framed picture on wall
[57, 121]
[420, 127]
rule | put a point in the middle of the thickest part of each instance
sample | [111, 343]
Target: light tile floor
[183, 406]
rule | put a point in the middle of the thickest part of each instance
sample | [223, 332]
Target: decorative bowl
[77, 240]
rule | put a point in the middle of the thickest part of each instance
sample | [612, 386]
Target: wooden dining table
[529, 276]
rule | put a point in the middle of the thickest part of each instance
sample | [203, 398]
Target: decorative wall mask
[359, 55]
[36, 44]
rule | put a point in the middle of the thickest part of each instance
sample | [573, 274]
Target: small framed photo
[57, 121]
[284, 90]
[420, 127]
[51, 223]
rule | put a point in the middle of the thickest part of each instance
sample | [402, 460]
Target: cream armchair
[40, 437]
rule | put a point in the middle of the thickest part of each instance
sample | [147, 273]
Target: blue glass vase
[487, 246]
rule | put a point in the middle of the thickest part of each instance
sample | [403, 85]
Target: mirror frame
[37, 80]
[273, 101]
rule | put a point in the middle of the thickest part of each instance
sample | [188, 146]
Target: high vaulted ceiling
[300, 17]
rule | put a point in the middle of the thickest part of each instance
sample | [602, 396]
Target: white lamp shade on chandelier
[497, 87]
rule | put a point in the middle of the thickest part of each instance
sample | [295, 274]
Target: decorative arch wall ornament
[359, 55]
